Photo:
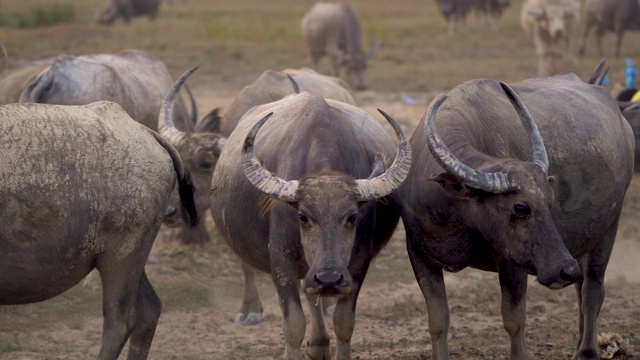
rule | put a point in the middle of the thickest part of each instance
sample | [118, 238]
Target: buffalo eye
[352, 219]
[303, 219]
[207, 165]
[521, 210]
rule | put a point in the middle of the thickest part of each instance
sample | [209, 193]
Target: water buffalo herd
[520, 179]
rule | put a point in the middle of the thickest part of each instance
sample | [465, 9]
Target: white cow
[550, 24]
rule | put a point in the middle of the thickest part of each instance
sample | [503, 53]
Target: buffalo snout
[567, 273]
[329, 283]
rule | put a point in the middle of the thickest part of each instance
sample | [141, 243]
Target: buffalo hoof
[587, 354]
[250, 319]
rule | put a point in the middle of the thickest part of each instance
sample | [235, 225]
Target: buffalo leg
[318, 345]
[119, 288]
[585, 34]
[293, 322]
[148, 307]
[513, 283]
[593, 295]
[431, 282]
[251, 310]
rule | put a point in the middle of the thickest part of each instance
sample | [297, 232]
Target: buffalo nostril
[570, 274]
[328, 278]
[171, 211]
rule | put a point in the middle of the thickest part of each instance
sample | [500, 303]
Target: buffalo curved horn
[495, 182]
[260, 177]
[537, 145]
[294, 83]
[386, 183]
[166, 127]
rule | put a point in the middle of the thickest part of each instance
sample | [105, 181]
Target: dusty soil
[201, 287]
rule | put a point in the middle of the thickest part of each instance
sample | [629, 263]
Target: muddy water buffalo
[333, 29]
[308, 186]
[609, 15]
[200, 148]
[128, 9]
[498, 187]
[550, 24]
[83, 188]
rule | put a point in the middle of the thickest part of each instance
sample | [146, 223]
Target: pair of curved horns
[367, 189]
[496, 182]
[166, 127]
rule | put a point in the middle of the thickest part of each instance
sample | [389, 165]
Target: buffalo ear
[452, 185]
[210, 123]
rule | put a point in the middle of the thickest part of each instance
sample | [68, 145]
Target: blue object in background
[630, 73]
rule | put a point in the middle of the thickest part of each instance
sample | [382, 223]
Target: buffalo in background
[609, 15]
[128, 9]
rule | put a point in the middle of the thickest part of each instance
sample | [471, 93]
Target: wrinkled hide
[83, 188]
[543, 218]
[333, 29]
[615, 16]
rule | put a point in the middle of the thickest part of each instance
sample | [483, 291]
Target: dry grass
[234, 41]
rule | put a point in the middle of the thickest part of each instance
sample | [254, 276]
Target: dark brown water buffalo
[128, 9]
[83, 188]
[200, 148]
[609, 15]
[500, 187]
[333, 29]
[305, 200]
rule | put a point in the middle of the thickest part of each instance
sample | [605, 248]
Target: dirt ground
[201, 286]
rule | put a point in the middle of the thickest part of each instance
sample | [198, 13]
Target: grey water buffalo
[550, 25]
[128, 9]
[83, 188]
[134, 79]
[200, 148]
[609, 15]
[518, 189]
[305, 199]
[333, 29]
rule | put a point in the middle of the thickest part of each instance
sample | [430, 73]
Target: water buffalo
[134, 79]
[200, 148]
[83, 188]
[632, 114]
[333, 29]
[299, 202]
[519, 190]
[127, 9]
[455, 12]
[550, 24]
[609, 15]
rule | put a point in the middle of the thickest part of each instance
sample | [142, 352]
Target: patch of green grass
[46, 13]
